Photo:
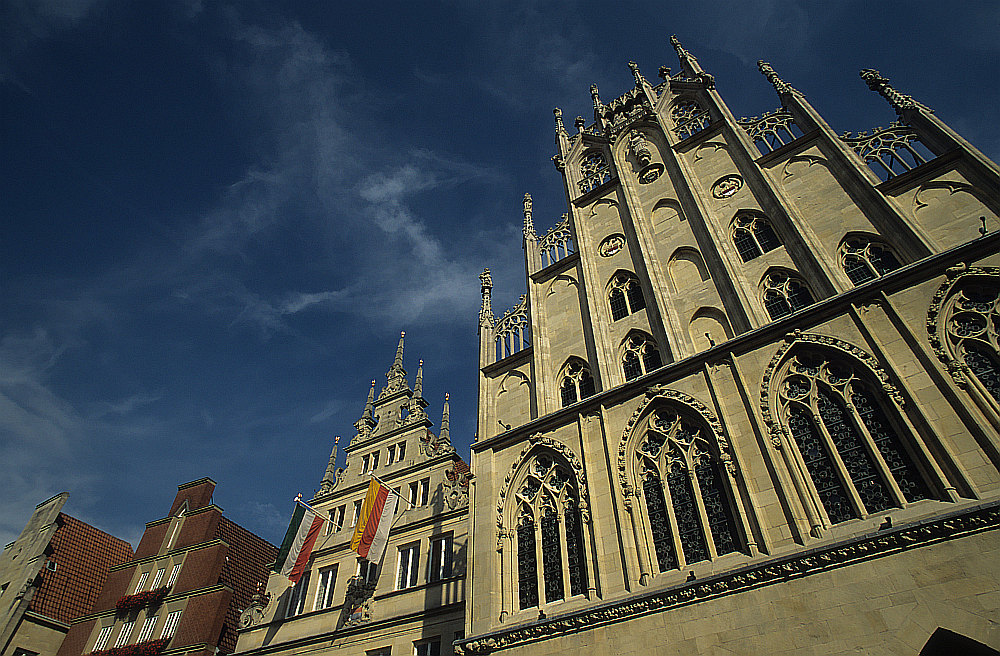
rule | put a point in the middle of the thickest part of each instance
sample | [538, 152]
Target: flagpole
[381, 482]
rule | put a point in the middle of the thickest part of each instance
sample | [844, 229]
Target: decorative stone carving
[254, 613]
[529, 226]
[727, 186]
[779, 85]
[775, 428]
[611, 244]
[881, 86]
[456, 488]
[358, 602]
[650, 170]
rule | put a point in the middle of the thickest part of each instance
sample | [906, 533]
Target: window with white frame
[158, 578]
[357, 512]
[406, 570]
[419, 492]
[170, 626]
[124, 634]
[441, 558]
[400, 451]
[173, 574]
[147, 628]
[430, 647]
[367, 571]
[102, 638]
[142, 581]
[365, 460]
[324, 589]
[374, 461]
[337, 518]
[297, 601]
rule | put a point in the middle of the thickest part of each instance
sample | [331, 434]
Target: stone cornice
[776, 570]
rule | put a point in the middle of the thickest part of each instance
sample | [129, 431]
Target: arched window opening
[847, 441]
[549, 491]
[784, 293]
[753, 236]
[972, 326]
[594, 171]
[640, 356]
[577, 383]
[865, 260]
[680, 472]
[688, 118]
[625, 295]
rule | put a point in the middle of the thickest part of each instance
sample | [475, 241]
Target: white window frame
[324, 588]
[400, 451]
[173, 575]
[390, 456]
[364, 464]
[170, 626]
[375, 455]
[158, 578]
[441, 560]
[370, 572]
[142, 581]
[425, 486]
[124, 633]
[407, 561]
[357, 512]
[414, 493]
[147, 628]
[102, 637]
[341, 513]
[429, 647]
[297, 600]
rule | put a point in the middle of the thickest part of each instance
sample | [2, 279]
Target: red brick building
[52, 573]
[182, 593]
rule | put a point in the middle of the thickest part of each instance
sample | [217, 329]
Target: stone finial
[445, 433]
[686, 57]
[663, 73]
[486, 310]
[560, 128]
[529, 226]
[779, 85]
[579, 124]
[418, 384]
[595, 94]
[330, 477]
[636, 74]
[881, 86]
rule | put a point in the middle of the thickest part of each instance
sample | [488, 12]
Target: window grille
[753, 236]
[688, 118]
[551, 556]
[625, 295]
[659, 523]
[839, 423]
[577, 383]
[124, 634]
[864, 260]
[640, 357]
[174, 572]
[157, 579]
[142, 581]
[784, 294]
[102, 638]
[147, 628]
[593, 171]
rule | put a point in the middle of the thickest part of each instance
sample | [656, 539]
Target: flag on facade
[372, 530]
[298, 543]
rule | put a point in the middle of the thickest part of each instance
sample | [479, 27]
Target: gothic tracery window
[753, 236]
[688, 118]
[972, 327]
[680, 472]
[594, 171]
[625, 295]
[640, 356]
[857, 459]
[576, 382]
[550, 532]
[865, 260]
[784, 293]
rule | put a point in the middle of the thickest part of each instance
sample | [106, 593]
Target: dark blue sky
[217, 217]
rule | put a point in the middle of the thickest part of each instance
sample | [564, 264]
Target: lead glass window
[753, 236]
[865, 260]
[527, 570]
[625, 295]
[576, 383]
[972, 327]
[640, 356]
[784, 293]
[846, 439]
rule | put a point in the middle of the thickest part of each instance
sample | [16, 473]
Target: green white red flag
[374, 521]
[298, 543]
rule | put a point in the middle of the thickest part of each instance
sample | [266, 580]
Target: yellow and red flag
[372, 530]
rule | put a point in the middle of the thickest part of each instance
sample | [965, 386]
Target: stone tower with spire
[750, 399]
[415, 598]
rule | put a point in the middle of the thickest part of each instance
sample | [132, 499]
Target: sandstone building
[182, 592]
[413, 602]
[750, 401]
[52, 573]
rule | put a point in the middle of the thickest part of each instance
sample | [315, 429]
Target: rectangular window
[338, 518]
[381, 651]
[367, 571]
[102, 638]
[414, 493]
[173, 575]
[297, 600]
[427, 647]
[406, 576]
[123, 636]
[171, 624]
[142, 581]
[400, 450]
[374, 461]
[357, 512]
[147, 629]
[324, 590]
[158, 578]
[424, 487]
[364, 464]
[391, 455]
[440, 558]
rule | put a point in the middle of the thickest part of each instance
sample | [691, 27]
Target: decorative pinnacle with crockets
[881, 86]
[486, 311]
[779, 85]
[529, 226]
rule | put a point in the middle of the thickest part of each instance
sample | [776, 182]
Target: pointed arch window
[625, 295]
[688, 118]
[864, 260]
[784, 293]
[549, 532]
[972, 326]
[640, 356]
[594, 171]
[859, 461]
[686, 492]
[753, 236]
[576, 382]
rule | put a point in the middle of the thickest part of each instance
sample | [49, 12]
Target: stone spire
[330, 477]
[560, 128]
[445, 434]
[687, 59]
[396, 376]
[529, 226]
[397, 364]
[418, 385]
[639, 79]
[486, 311]
[370, 405]
[881, 86]
[367, 423]
[779, 85]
